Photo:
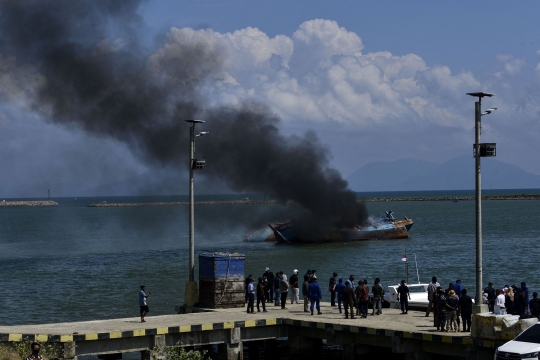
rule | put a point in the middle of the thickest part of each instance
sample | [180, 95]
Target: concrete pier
[231, 329]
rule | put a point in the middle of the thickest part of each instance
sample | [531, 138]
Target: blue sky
[375, 80]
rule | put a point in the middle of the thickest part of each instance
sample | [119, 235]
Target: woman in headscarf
[509, 300]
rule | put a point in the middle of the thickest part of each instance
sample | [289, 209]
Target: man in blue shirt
[142, 302]
[458, 288]
[315, 295]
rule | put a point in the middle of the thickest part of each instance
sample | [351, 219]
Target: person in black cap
[332, 289]
[403, 297]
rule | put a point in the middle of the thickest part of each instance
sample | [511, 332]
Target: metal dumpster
[221, 280]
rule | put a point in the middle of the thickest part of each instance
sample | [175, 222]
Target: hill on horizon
[454, 174]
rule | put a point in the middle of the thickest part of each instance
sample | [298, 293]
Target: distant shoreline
[252, 202]
[29, 203]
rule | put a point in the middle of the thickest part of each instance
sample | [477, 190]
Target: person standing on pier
[332, 289]
[458, 288]
[295, 291]
[305, 293]
[377, 292]
[490, 291]
[452, 302]
[35, 352]
[440, 308]
[246, 282]
[431, 289]
[277, 294]
[283, 289]
[364, 298]
[261, 295]
[348, 302]
[403, 297]
[525, 291]
[315, 295]
[142, 302]
[339, 290]
[534, 305]
[268, 280]
[465, 306]
[251, 296]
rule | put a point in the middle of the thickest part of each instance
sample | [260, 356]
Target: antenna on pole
[416, 263]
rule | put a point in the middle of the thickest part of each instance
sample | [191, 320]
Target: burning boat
[387, 228]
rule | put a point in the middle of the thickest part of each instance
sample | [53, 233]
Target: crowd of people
[452, 304]
[350, 298]
[451, 307]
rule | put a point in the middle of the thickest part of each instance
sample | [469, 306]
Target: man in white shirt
[498, 308]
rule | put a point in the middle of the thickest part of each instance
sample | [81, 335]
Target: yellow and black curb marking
[140, 332]
[461, 340]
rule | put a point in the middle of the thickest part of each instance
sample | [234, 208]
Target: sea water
[72, 262]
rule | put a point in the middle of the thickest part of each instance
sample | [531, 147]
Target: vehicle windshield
[416, 289]
[531, 335]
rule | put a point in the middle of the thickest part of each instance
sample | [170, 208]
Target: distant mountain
[454, 174]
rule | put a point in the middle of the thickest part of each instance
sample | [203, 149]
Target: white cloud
[512, 66]
[322, 74]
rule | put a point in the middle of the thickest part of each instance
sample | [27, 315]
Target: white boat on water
[419, 296]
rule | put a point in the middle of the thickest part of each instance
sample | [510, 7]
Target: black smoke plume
[116, 88]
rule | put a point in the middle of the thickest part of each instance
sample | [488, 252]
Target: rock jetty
[216, 202]
[457, 198]
[29, 203]
[251, 202]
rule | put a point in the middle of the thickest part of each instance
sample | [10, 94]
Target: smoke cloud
[94, 75]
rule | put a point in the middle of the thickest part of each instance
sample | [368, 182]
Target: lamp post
[191, 293]
[480, 150]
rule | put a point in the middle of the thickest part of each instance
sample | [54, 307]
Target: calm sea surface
[74, 263]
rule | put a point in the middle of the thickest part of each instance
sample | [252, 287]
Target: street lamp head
[488, 111]
[194, 121]
[480, 94]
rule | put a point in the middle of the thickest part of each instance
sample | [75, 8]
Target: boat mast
[416, 263]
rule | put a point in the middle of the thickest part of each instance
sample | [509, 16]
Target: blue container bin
[221, 280]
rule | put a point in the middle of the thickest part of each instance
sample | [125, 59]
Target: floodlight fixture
[194, 121]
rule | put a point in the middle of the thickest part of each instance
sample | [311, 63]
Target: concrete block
[159, 341]
[231, 351]
[500, 327]
[235, 336]
[512, 326]
[191, 294]
[477, 309]
[70, 350]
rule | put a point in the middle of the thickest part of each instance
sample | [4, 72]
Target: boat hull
[291, 233]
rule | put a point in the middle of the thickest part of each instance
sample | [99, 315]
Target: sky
[375, 81]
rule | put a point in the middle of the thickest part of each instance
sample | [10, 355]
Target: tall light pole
[480, 150]
[191, 293]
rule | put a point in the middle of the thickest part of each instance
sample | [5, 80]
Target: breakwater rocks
[217, 202]
[457, 198]
[29, 203]
[251, 202]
